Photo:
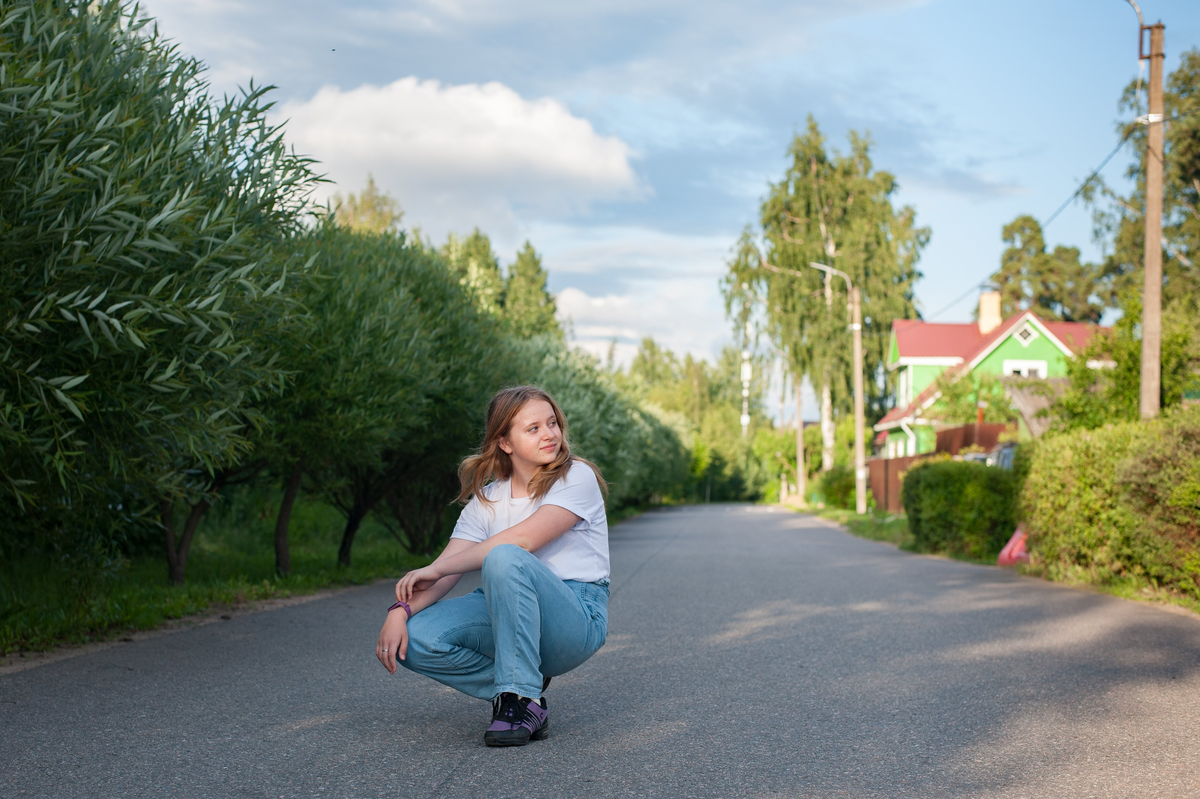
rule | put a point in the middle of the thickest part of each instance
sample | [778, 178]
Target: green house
[920, 352]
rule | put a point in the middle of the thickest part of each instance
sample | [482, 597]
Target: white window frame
[1023, 368]
[1025, 342]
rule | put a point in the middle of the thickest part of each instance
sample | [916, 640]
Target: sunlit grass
[232, 562]
[892, 528]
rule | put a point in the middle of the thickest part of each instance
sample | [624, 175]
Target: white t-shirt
[580, 553]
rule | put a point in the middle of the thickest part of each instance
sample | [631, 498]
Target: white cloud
[626, 283]
[460, 156]
[684, 316]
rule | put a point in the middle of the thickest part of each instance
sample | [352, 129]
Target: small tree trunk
[353, 520]
[174, 571]
[283, 553]
[801, 466]
[177, 555]
[827, 429]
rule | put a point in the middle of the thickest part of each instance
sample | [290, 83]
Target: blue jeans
[522, 625]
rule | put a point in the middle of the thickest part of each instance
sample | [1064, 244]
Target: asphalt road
[751, 653]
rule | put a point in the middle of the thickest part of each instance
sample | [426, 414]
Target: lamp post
[855, 309]
[860, 457]
[747, 375]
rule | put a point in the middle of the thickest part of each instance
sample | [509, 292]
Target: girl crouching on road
[534, 523]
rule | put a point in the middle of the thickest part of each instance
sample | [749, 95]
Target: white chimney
[989, 312]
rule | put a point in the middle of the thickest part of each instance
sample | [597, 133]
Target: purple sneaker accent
[516, 721]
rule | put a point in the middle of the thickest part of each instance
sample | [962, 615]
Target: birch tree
[837, 210]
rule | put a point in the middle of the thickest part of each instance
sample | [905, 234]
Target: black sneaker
[516, 721]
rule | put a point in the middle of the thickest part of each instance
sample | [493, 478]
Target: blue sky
[632, 141]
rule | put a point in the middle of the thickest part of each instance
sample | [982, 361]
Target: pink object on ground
[1014, 551]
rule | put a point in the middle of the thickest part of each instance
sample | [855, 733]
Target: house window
[902, 400]
[1026, 368]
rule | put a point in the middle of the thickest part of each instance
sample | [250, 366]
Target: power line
[1088, 179]
[961, 297]
[1053, 216]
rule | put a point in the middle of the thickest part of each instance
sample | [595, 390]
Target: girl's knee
[503, 558]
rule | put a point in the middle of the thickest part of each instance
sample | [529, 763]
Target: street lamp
[860, 457]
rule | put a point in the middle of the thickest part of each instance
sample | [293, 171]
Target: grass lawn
[232, 561]
[892, 528]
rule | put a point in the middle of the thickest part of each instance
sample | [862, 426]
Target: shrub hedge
[960, 507]
[1118, 504]
[837, 487]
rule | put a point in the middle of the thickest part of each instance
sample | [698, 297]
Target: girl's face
[534, 437]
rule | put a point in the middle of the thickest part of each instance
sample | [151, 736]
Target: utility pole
[860, 457]
[1152, 287]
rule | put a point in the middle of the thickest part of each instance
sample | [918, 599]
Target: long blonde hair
[493, 463]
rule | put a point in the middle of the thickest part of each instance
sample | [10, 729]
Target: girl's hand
[416, 580]
[393, 640]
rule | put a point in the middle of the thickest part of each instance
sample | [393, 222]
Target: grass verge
[894, 529]
[232, 563]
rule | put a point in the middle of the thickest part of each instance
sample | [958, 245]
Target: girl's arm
[545, 525]
[393, 638]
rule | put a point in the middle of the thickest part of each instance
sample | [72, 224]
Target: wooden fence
[883, 474]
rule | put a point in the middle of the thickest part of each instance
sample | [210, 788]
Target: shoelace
[513, 709]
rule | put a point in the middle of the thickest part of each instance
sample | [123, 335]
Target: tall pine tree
[1054, 285]
[528, 306]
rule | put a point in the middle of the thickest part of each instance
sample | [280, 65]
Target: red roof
[1075, 335]
[918, 339]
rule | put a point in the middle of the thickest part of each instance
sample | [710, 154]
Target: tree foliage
[473, 264]
[961, 395]
[528, 306]
[1096, 397]
[1120, 218]
[1099, 396]
[704, 402]
[141, 232]
[834, 209]
[370, 211]
[1054, 285]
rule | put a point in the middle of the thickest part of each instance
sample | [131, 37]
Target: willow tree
[141, 226]
[834, 209]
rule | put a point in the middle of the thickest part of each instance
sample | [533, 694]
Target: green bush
[836, 486]
[959, 507]
[1119, 504]
[142, 270]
